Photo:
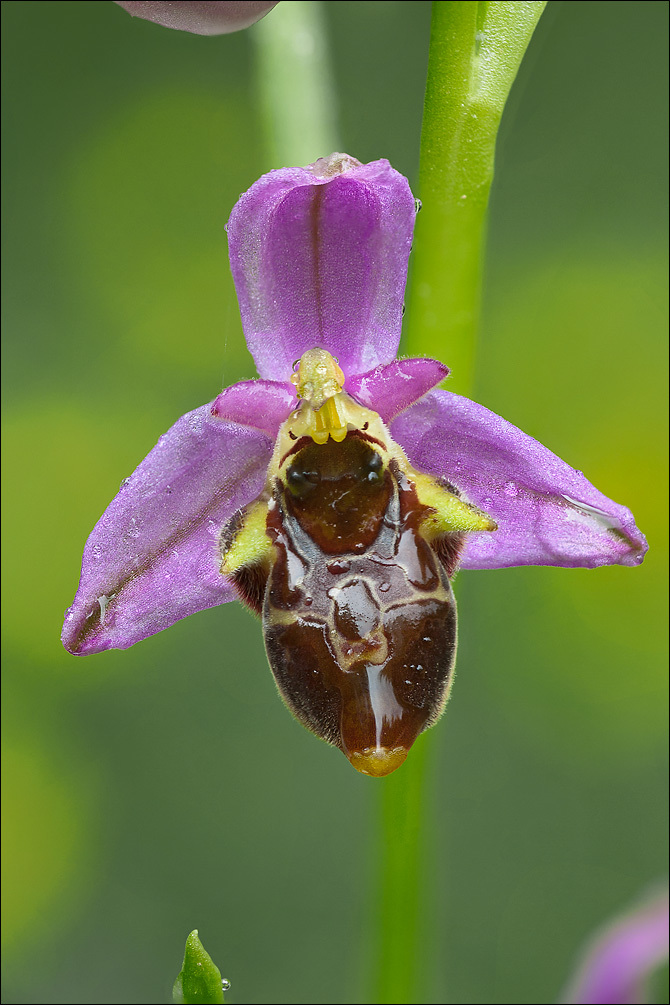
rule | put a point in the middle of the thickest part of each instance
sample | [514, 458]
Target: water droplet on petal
[417, 205]
[104, 602]
[511, 489]
[225, 984]
[125, 482]
[338, 566]
[606, 521]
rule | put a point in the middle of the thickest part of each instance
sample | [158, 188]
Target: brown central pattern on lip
[362, 644]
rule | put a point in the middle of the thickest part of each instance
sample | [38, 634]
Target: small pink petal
[390, 388]
[260, 404]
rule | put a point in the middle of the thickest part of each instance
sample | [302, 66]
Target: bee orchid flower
[337, 494]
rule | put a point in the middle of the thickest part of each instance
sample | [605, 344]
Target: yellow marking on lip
[377, 761]
[451, 513]
[251, 545]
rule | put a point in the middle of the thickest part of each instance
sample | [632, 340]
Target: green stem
[475, 52]
[295, 82]
[401, 851]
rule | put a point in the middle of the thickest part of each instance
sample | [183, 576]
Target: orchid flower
[619, 959]
[200, 17]
[338, 494]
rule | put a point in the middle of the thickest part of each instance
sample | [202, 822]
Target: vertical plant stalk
[295, 83]
[401, 903]
[475, 52]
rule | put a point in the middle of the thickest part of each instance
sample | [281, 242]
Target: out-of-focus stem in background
[295, 84]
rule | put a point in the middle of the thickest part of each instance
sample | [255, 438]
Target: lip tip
[377, 761]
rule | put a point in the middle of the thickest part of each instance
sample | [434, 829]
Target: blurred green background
[154, 791]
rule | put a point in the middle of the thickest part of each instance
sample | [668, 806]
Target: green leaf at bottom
[200, 978]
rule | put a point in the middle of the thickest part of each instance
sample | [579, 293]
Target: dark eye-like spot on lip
[300, 483]
[374, 468]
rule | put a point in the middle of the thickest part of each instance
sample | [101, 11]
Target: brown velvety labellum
[359, 617]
